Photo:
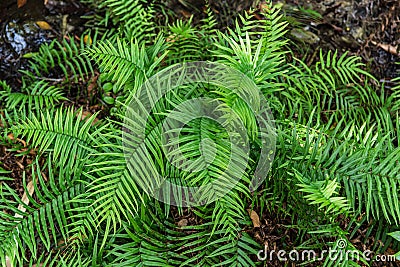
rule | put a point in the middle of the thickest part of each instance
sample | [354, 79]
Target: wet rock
[19, 35]
[23, 30]
[357, 33]
[305, 36]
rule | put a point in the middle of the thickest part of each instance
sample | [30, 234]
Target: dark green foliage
[127, 63]
[131, 19]
[337, 155]
[188, 43]
[38, 95]
[65, 56]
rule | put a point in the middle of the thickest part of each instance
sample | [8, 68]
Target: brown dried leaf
[86, 115]
[22, 141]
[25, 199]
[92, 84]
[21, 3]
[185, 13]
[20, 165]
[11, 137]
[183, 222]
[254, 218]
[388, 48]
[170, 39]
[45, 2]
[44, 176]
[264, 7]
[43, 25]
[87, 39]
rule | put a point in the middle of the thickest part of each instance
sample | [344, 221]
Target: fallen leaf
[21, 3]
[22, 141]
[259, 236]
[25, 199]
[64, 24]
[45, 2]
[170, 39]
[254, 217]
[215, 10]
[185, 13]
[92, 84]
[20, 165]
[43, 25]
[388, 48]
[264, 7]
[183, 222]
[11, 137]
[87, 115]
[87, 40]
[22, 208]
[44, 176]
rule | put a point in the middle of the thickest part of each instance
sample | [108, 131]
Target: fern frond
[127, 63]
[322, 193]
[178, 246]
[62, 131]
[363, 162]
[184, 42]
[262, 68]
[270, 31]
[133, 16]
[60, 57]
[237, 253]
[27, 220]
[38, 96]
[333, 86]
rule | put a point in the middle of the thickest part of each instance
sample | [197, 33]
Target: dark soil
[20, 34]
[369, 29]
[16, 163]
[366, 28]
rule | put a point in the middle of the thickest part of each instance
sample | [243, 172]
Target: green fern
[65, 56]
[127, 63]
[63, 132]
[131, 19]
[39, 95]
[43, 219]
[337, 148]
[322, 193]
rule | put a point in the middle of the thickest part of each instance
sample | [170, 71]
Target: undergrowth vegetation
[335, 172]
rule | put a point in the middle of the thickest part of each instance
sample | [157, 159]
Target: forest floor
[369, 29]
